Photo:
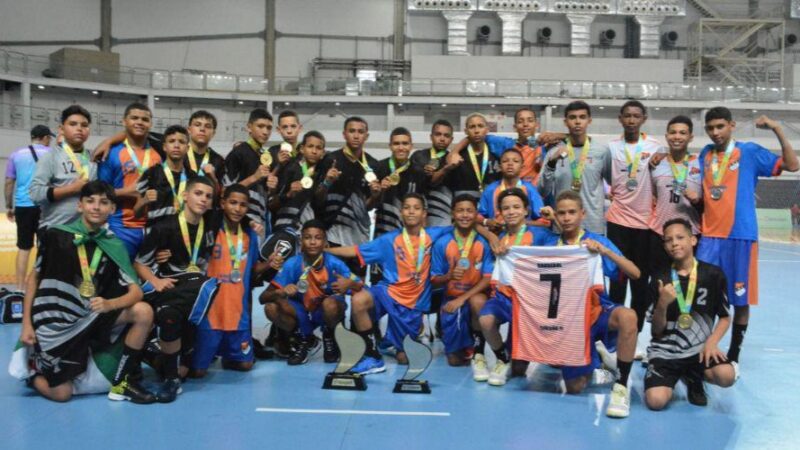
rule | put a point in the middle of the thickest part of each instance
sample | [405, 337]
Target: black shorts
[667, 372]
[65, 362]
[27, 219]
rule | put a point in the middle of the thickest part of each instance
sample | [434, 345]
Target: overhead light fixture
[95, 92]
[287, 103]
[41, 87]
[338, 104]
[156, 98]
[444, 105]
[240, 102]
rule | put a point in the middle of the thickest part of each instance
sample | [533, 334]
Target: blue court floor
[276, 406]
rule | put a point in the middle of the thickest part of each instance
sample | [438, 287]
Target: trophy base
[412, 387]
[345, 381]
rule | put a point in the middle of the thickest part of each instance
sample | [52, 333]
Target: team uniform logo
[739, 288]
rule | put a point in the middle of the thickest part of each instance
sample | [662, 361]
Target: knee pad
[170, 323]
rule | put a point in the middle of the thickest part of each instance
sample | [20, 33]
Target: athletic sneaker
[619, 405]
[330, 350]
[695, 391]
[303, 350]
[131, 391]
[369, 365]
[480, 371]
[169, 391]
[603, 376]
[609, 359]
[260, 351]
[499, 374]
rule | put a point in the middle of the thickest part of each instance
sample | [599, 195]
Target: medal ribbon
[633, 161]
[680, 175]
[718, 171]
[197, 240]
[83, 165]
[87, 270]
[193, 162]
[362, 162]
[140, 168]
[685, 303]
[399, 170]
[410, 248]
[465, 247]
[255, 146]
[307, 172]
[437, 155]
[306, 270]
[577, 165]
[177, 198]
[561, 240]
[480, 172]
[236, 260]
[518, 236]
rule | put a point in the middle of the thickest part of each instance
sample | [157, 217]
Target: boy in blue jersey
[515, 208]
[126, 162]
[404, 292]
[730, 171]
[612, 322]
[462, 264]
[308, 292]
[510, 167]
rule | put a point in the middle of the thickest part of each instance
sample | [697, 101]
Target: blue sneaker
[369, 365]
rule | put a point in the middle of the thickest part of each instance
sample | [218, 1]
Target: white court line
[354, 412]
[780, 260]
[778, 250]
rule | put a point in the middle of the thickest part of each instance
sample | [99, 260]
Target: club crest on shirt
[739, 289]
[734, 166]
[478, 265]
[694, 171]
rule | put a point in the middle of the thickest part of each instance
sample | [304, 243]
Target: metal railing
[38, 66]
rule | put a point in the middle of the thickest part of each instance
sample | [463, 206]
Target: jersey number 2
[555, 292]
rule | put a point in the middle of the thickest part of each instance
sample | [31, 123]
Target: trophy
[352, 349]
[419, 358]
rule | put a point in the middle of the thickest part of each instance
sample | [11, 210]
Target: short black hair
[577, 105]
[75, 109]
[681, 119]
[355, 119]
[513, 192]
[236, 189]
[314, 223]
[442, 123]
[199, 180]
[417, 196]
[512, 150]
[313, 134]
[569, 194]
[137, 105]
[174, 129]
[523, 109]
[677, 221]
[203, 114]
[719, 112]
[633, 104]
[288, 113]
[259, 113]
[464, 198]
[399, 131]
[98, 187]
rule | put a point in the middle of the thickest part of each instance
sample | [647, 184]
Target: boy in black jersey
[299, 185]
[476, 167]
[433, 162]
[398, 178]
[252, 166]
[353, 191]
[687, 298]
[290, 130]
[201, 158]
[172, 286]
[161, 187]
[82, 288]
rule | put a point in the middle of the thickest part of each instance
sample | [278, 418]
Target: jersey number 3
[555, 292]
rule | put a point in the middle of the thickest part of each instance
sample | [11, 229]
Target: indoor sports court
[444, 103]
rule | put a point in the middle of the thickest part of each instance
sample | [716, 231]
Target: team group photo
[453, 244]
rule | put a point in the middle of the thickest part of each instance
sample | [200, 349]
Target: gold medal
[685, 321]
[576, 185]
[266, 159]
[394, 178]
[87, 289]
[193, 268]
[306, 182]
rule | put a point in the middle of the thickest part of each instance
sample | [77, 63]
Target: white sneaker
[736, 373]
[609, 359]
[603, 376]
[499, 374]
[480, 371]
[640, 355]
[619, 405]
